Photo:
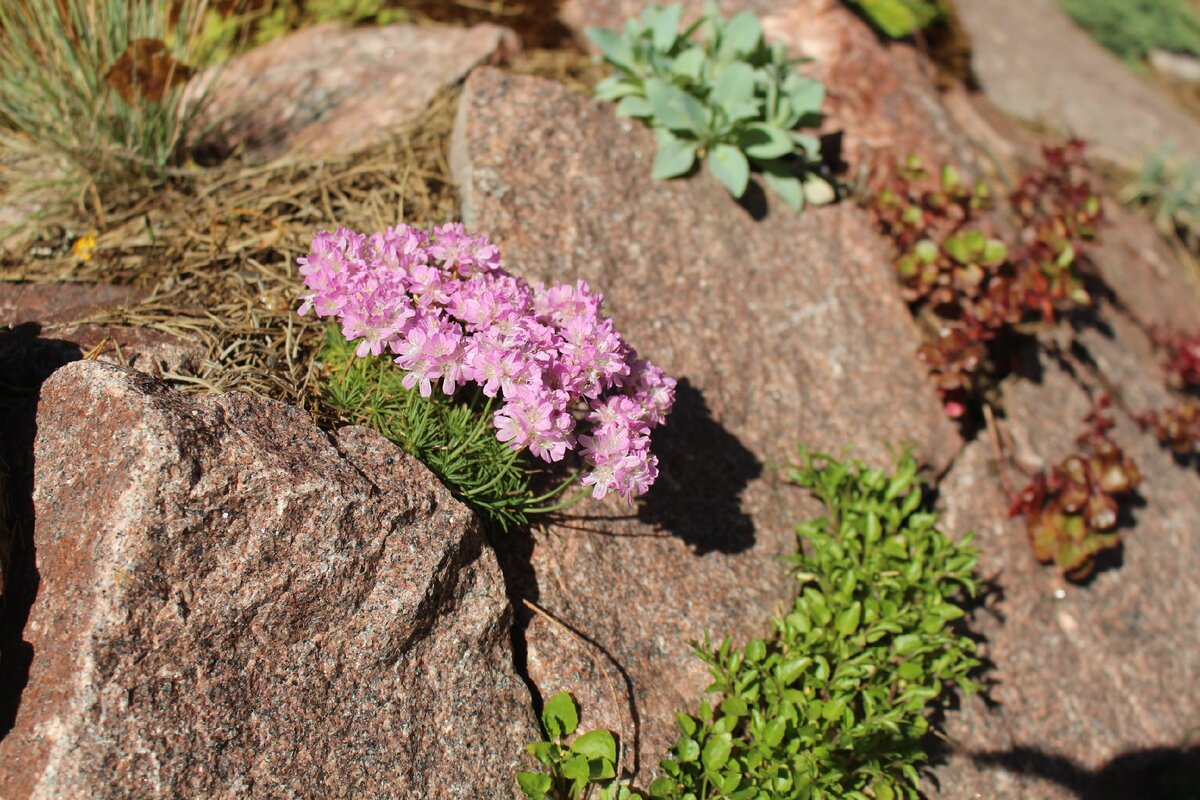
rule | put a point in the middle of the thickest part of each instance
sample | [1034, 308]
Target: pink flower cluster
[444, 308]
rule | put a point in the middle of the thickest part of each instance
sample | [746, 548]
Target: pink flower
[447, 311]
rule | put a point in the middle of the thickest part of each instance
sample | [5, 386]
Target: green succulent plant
[726, 98]
[899, 18]
[1169, 188]
[1072, 511]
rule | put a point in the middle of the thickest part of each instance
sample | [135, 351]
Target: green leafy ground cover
[836, 703]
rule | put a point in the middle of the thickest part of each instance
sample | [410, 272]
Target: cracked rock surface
[233, 604]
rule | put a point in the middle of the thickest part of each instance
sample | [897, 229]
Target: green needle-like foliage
[836, 703]
[453, 437]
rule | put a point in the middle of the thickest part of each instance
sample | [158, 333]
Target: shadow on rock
[1160, 773]
[703, 470]
[26, 361]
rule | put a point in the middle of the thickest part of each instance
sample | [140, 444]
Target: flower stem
[558, 506]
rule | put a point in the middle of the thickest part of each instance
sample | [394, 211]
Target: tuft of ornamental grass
[91, 93]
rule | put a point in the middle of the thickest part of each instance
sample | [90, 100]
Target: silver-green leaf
[675, 156]
[730, 167]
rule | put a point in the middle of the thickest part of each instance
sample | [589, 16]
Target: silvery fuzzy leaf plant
[725, 97]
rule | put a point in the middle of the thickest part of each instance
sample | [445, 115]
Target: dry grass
[216, 252]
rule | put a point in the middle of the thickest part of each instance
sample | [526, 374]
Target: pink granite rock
[1092, 682]
[330, 89]
[48, 303]
[783, 329]
[234, 604]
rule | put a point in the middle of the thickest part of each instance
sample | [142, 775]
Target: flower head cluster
[443, 307]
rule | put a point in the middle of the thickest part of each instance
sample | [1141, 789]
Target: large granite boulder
[330, 89]
[783, 329]
[235, 604]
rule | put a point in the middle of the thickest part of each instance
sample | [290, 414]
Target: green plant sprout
[899, 18]
[574, 769]
[727, 99]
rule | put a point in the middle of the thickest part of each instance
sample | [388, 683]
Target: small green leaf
[597, 744]
[717, 752]
[741, 34]
[577, 769]
[806, 95]
[994, 253]
[834, 708]
[950, 179]
[534, 784]
[662, 788]
[807, 142]
[544, 752]
[762, 141]
[613, 46]
[666, 27]
[689, 64]
[956, 247]
[560, 717]
[789, 671]
[730, 167]
[614, 87]
[734, 87]
[788, 187]
[847, 621]
[675, 156]
[634, 106]
[674, 108]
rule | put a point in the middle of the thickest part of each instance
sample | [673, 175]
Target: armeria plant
[727, 98]
[543, 359]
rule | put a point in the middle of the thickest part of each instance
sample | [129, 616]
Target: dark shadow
[703, 470]
[1092, 317]
[1160, 773]
[26, 361]
[536, 22]
[755, 201]
[514, 551]
[833, 149]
